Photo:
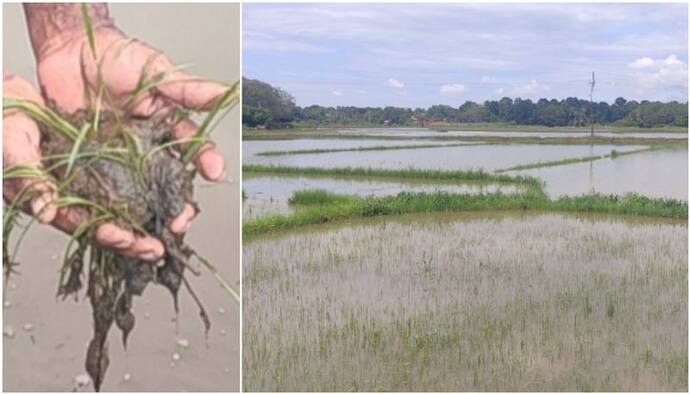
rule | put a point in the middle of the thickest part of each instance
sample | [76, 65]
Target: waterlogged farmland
[471, 156]
[469, 302]
[487, 266]
[252, 148]
[656, 174]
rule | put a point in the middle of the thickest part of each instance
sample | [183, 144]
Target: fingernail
[149, 256]
[215, 173]
[39, 206]
[210, 163]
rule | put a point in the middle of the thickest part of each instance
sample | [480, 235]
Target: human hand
[68, 69]
[70, 74]
[21, 147]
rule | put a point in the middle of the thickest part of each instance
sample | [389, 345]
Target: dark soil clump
[142, 186]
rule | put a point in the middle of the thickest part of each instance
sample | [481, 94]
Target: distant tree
[471, 112]
[441, 113]
[257, 95]
[256, 117]
[268, 106]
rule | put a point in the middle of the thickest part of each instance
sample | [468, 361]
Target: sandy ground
[51, 354]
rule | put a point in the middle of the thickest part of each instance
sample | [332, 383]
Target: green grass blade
[88, 26]
[45, 116]
[145, 85]
[23, 171]
[75, 147]
[227, 100]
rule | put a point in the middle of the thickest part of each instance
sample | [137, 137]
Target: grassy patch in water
[319, 206]
[318, 197]
[406, 173]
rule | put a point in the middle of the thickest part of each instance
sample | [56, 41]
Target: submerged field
[551, 266]
[469, 302]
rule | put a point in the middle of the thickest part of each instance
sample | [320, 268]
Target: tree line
[266, 106]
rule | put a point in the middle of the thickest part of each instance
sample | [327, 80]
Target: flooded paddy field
[252, 148]
[656, 174]
[269, 194]
[469, 301]
[499, 300]
[487, 157]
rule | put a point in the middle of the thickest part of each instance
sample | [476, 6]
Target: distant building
[421, 122]
[418, 121]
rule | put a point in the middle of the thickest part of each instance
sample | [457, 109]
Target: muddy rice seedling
[126, 170]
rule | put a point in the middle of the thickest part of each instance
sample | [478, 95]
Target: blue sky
[417, 55]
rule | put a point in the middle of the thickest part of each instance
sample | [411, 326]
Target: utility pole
[591, 104]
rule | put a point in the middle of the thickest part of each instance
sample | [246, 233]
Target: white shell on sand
[183, 343]
[8, 332]
[82, 380]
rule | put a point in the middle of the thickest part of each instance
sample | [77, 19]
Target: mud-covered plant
[126, 170]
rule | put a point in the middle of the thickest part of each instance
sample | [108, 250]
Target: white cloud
[643, 62]
[659, 73]
[455, 88]
[487, 45]
[394, 83]
[500, 91]
[337, 93]
[531, 88]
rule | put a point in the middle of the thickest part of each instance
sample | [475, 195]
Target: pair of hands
[66, 67]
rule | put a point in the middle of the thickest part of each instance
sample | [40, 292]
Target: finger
[109, 235]
[15, 87]
[183, 221]
[145, 248]
[68, 219]
[112, 236]
[43, 205]
[148, 105]
[21, 138]
[209, 162]
[127, 243]
[191, 92]
[35, 197]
